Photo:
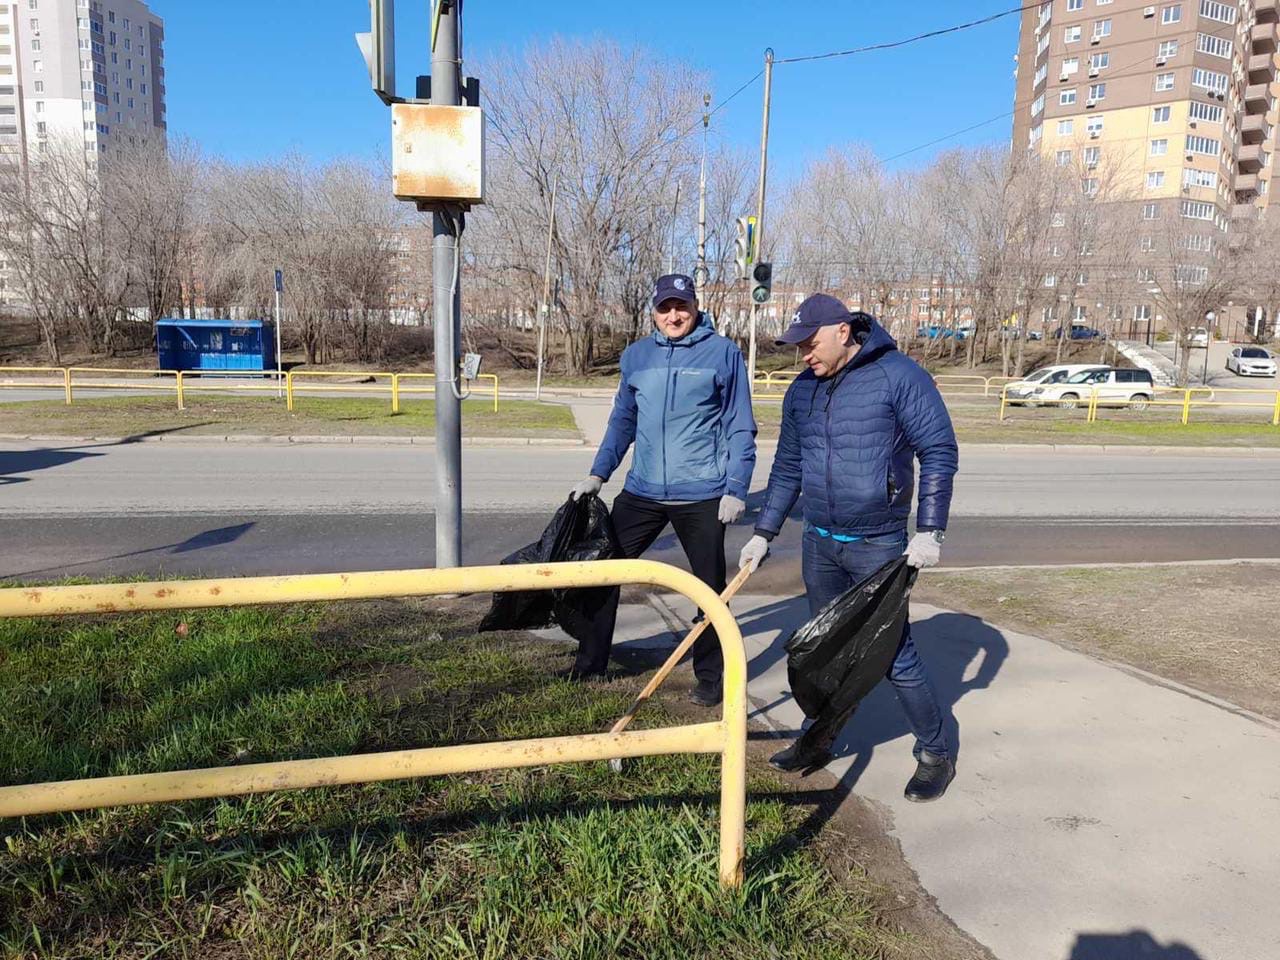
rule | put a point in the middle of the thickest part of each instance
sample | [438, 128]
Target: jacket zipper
[667, 403]
[827, 428]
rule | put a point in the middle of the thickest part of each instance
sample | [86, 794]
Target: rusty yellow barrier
[293, 376]
[25, 381]
[397, 389]
[727, 736]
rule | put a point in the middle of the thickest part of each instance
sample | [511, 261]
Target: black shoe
[707, 694]
[791, 759]
[577, 675]
[933, 776]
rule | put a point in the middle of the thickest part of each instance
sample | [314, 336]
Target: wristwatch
[939, 536]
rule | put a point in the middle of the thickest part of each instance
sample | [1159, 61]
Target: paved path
[1096, 812]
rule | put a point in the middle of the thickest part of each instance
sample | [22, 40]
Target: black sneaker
[576, 675]
[706, 694]
[933, 776]
[791, 760]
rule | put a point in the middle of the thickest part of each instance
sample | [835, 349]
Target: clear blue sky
[250, 80]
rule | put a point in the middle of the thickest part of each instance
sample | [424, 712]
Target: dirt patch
[1211, 627]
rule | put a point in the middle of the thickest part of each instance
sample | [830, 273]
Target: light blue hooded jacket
[686, 405]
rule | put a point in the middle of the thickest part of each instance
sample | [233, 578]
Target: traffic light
[742, 247]
[761, 282]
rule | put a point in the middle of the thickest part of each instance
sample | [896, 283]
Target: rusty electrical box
[437, 153]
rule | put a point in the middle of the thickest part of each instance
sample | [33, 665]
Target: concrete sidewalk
[1097, 813]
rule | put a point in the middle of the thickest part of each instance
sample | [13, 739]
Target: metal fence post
[1186, 406]
[1275, 417]
[178, 381]
[1004, 400]
[66, 383]
[395, 393]
[288, 391]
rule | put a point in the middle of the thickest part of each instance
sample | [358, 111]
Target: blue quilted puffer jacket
[849, 443]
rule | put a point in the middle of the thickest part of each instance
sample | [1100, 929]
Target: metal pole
[671, 251]
[545, 308]
[759, 243]
[279, 362]
[446, 309]
[700, 280]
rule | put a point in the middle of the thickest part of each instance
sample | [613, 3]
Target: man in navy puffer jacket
[685, 403]
[852, 427]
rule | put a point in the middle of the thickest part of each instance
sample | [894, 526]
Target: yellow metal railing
[968, 385]
[727, 736]
[765, 383]
[1184, 398]
[180, 383]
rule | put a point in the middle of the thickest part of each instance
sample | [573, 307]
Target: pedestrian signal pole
[758, 250]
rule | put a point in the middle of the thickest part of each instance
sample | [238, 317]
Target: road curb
[249, 438]
[1093, 449]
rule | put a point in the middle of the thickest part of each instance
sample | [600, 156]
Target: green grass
[556, 862]
[220, 414]
[979, 423]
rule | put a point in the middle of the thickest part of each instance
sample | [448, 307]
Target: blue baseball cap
[819, 310]
[674, 286]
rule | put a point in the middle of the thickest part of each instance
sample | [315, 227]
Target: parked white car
[1197, 337]
[1251, 362]
[1115, 385]
[1018, 391]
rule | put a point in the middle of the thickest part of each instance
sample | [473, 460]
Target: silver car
[1251, 362]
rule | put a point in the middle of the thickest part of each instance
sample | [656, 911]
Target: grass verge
[975, 423]
[222, 415]
[1209, 627]
[562, 861]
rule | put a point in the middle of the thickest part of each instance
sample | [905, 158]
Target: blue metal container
[248, 345]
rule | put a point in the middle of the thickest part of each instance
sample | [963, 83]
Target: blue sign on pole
[279, 281]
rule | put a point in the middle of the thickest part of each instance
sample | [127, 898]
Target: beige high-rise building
[92, 69]
[1174, 97]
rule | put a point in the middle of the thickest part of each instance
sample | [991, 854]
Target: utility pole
[700, 278]
[759, 241]
[279, 284]
[545, 309]
[446, 89]
[671, 250]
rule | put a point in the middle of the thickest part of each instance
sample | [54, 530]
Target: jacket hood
[876, 343]
[701, 330]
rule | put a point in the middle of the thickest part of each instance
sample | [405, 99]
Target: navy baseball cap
[819, 310]
[674, 286]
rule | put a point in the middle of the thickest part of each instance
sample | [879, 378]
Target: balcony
[1261, 68]
[1267, 10]
[1254, 128]
[1263, 38]
[1243, 212]
[1246, 183]
[1249, 158]
[1257, 98]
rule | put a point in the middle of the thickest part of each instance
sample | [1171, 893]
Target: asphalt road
[94, 509]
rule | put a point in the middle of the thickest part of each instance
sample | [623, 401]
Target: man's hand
[753, 553]
[588, 487]
[923, 551]
[731, 509]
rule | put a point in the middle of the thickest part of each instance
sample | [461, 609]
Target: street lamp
[1209, 319]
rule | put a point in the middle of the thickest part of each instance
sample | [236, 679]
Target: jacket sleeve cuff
[736, 488]
[767, 534]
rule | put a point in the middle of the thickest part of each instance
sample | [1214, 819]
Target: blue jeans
[830, 568]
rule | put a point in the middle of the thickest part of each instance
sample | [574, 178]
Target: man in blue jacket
[853, 425]
[684, 400]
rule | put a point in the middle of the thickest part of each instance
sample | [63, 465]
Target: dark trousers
[831, 568]
[638, 523]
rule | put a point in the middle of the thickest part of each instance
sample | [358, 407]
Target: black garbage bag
[835, 659]
[580, 530]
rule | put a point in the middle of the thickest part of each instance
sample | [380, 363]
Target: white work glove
[587, 488]
[923, 551]
[753, 553]
[731, 509]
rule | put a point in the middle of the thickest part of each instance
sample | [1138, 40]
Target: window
[111, 17]
[1212, 10]
[35, 46]
[1058, 220]
[1071, 34]
[1160, 114]
[1066, 97]
[1146, 244]
[1089, 186]
[128, 44]
[1074, 5]
[1050, 280]
[1206, 146]
[131, 103]
[1100, 61]
[37, 66]
[1094, 126]
[1164, 81]
[1214, 46]
[39, 106]
[111, 38]
[1147, 274]
[1210, 112]
[1171, 14]
[38, 87]
[1037, 105]
[1097, 91]
[1193, 274]
[144, 88]
[1196, 242]
[1101, 28]
[1197, 210]
[1150, 211]
[1070, 65]
[115, 58]
[1167, 50]
[1062, 158]
[1159, 147]
[1200, 178]
[126, 23]
[1155, 179]
[1092, 155]
[1064, 126]
[1209, 80]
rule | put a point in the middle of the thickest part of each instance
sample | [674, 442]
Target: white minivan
[1018, 391]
